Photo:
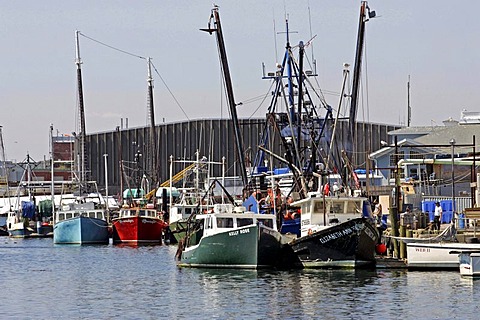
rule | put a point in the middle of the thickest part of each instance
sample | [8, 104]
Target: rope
[93, 221]
[140, 57]
[112, 47]
[264, 97]
[173, 96]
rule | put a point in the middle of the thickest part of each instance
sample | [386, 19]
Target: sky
[434, 42]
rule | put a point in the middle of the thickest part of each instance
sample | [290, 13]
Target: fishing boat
[181, 210]
[81, 223]
[336, 228]
[138, 225]
[232, 238]
[138, 221]
[192, 194]
[81, 219]
[336, 232]
[23, 212]
[18, 220]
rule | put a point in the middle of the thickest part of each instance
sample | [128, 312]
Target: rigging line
[263, 100]
[253, 99]
[114, 48]
[222, 98]
[307, 80]
[310, 25]
[170, 91]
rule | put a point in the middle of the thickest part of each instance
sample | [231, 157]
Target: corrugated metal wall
[213, 138]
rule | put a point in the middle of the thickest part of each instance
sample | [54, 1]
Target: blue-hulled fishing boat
[81, 222]
[81, 218]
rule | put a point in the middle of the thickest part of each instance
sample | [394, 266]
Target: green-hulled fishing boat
[232, 238]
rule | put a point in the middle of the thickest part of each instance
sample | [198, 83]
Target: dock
[386, 262]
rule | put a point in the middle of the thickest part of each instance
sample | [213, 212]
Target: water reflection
[143, 282]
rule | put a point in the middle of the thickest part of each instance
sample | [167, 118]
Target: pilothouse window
[224, 222]
[241, 222]
[266, 222]
[318, 206]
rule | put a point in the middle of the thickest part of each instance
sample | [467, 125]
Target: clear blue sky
[435, 42]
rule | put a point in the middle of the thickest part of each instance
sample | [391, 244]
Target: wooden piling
[403, 247]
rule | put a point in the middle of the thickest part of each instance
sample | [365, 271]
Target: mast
[106, 183]
[357, 73]
[332, 139]
[153, 136]
[29, 177]
[300, 94]
[2, 146]
[52, 183]
[229, 88]
[299, 128]
[78, 62]
[120, 164]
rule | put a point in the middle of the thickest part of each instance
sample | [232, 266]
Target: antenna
[409, 109]
[311, 37]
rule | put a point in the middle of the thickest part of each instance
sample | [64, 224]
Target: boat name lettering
[236, 232]
[148, 221]
[126, 221]
[337, 234]
[422, 249]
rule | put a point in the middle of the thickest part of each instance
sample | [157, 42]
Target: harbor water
[44, 281]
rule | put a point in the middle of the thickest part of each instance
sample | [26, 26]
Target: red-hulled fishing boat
[138, 225]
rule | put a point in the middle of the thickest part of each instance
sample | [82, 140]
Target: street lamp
[452, 143]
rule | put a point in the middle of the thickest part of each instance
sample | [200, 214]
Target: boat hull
[137, 229]
[45, 230]
[250, 247]
[81, 230]
[350, 244]
[469, 264]
[18, 230]
[436, 255]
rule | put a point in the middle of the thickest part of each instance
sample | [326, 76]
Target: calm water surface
[43, 281]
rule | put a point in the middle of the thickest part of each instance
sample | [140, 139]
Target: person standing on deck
[378, 212]
[437, 216]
